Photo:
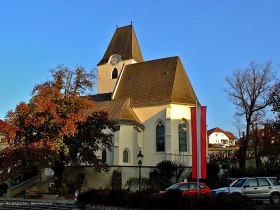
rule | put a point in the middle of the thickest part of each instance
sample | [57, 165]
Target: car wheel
[275, 198]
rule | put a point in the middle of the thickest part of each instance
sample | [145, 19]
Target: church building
[149, 100]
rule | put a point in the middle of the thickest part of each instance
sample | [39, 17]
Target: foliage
[249, 91]
[166, 171]
[145, 183]
[274, 126]
[169, 200]
[58, 189]
[212, 170]
[269, 168]
[58, 126]
[117, 180]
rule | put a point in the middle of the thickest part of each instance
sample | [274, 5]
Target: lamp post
[140, 159]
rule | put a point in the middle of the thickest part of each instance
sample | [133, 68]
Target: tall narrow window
[125, 156]
[160, 137]
[103, 158]
[115, 73]
[183, 140]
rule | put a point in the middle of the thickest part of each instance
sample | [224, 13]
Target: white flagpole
[198, 158]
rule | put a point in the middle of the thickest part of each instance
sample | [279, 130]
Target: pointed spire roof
[155, 82]
[124, 43]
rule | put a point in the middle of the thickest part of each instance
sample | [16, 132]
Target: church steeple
[124, 43]
[122, 50]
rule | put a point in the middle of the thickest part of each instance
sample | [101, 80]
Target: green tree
[58, 126]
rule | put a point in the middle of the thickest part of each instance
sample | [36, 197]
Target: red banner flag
[198, 125]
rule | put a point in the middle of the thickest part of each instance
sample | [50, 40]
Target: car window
[274, 181]
[183, 187]
[193, 186]
[263, 182]
[251, 183]
[238, 183]
[173, 187]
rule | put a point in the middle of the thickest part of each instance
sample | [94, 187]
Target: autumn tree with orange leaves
[59, 126]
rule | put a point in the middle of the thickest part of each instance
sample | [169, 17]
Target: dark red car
[189, 188]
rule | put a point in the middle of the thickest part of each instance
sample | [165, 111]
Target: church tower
[122, 50]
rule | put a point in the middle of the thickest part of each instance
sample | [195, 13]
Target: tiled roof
[230, 135]
[119, 111]
[124, 43]
[155, 82]
[219, 130]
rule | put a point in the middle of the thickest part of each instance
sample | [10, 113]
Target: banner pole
[198, 119]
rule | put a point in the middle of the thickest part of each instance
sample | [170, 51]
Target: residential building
[218, 137]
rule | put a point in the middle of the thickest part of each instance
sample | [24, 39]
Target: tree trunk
[58, 175]
[244, 145]
[242, 158]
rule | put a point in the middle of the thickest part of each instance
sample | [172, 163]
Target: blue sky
[212, 39]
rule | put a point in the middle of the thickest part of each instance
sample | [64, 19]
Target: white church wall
[179, 114]
[126, 143]
[105, 82]
[171, 115]
[150, 116]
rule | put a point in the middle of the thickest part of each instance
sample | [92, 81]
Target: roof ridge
[176, 67]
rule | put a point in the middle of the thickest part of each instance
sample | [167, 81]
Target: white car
[257, 188]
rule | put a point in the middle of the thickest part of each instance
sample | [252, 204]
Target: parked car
[257, 188]
[225, 182]
[189, 188]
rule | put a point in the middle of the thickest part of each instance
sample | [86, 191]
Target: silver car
[257, 188]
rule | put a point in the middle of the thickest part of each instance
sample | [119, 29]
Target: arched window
[115, 73]
[103, 157]
[125, 156]
[160, 137]
[183, 137]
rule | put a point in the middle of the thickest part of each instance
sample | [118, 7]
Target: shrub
[170, 200]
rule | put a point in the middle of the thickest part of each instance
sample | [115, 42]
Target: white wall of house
[218, 138]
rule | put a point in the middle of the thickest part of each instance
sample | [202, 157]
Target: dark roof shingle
[124, 43]
[156, 82]
[119, 111]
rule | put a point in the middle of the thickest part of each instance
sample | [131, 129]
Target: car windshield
[173, 187]
[238, 183]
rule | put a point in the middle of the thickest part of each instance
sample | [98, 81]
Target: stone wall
[129, 176]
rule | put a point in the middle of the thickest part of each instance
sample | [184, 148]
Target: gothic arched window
[115, 73]
[125, 156]
[160, 137]
[183, 137]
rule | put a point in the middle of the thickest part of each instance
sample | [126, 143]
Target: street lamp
[140, 159]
